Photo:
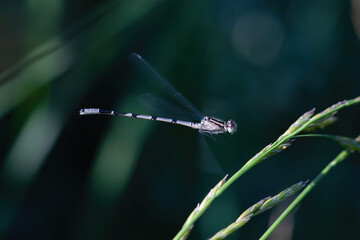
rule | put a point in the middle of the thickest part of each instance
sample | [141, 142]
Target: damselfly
[206, 125]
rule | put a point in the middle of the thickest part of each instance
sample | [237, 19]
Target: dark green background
[261, 63]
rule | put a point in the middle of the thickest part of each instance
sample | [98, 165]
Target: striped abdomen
[97, 111]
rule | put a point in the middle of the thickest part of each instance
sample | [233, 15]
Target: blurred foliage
[260, 63]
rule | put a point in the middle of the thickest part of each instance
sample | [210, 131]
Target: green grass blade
[305, 121]
[341, 157]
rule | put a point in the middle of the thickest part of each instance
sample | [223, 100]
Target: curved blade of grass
[341, 157]
[260, 207]
[39, 69]
[346, 142]
[109, 19]
[305, 121]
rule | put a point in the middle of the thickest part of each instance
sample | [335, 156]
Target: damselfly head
[231, 126]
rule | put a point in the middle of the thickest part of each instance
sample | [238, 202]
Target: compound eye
[231, 126]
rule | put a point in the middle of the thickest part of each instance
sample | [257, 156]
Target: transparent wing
[207, 161]
[163, 108]
[152, 75]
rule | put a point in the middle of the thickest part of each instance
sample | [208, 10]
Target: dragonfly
[206, 125]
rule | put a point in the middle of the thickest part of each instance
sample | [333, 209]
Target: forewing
[151, 74]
